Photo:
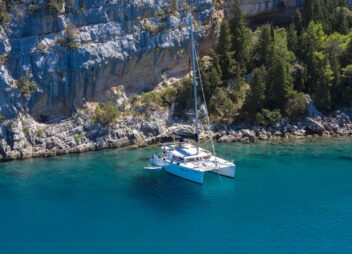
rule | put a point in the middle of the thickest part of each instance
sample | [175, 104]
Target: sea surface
[287, 197]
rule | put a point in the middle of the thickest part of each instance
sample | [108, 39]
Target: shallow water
[288, 197]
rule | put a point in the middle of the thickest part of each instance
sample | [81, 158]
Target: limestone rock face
[111, 43]
[253, 8]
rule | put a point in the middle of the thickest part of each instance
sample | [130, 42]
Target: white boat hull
[223, 168]
[227, 171]
[189, 174]
[177, 170]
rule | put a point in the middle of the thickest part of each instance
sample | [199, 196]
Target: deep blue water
[288, 197]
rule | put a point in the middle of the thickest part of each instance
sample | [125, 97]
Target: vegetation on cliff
[281, 64]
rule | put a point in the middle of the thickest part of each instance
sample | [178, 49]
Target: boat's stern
[157, 161]
[228, 170]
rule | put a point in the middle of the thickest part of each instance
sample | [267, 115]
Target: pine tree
[240, 37]
[313, 11]
[345, 87]
[341, 23]
[346, 57]
[322, 78]
[264, 47]
[256, 97]
[224, 52]
[279, 84]
[298, 21]
[312, 40]
[211, 76]
[292, 38]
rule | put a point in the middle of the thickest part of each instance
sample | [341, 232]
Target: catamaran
[188, 160]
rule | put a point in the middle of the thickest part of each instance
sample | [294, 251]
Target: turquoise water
[288, 197]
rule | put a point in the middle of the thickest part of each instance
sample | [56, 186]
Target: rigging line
[205, 103]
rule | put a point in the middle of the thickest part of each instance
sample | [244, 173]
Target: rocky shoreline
[25, 138]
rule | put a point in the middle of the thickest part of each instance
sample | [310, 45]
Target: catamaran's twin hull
[196, 176]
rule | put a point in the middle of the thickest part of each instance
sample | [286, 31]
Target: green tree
[313, 10]
[256, 96]
[221, 106]
[292, 38]
[345, 87]
[312, 39]
[265, 46]
[296, 105]
[280, 84]
[240, 37]
[211, 75]
[267, 117]
[322, 78]
[298, 21]
[224, 52]
[346, 57]
[341, 22]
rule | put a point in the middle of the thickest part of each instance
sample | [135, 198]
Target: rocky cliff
[80, 50]
[113, 43]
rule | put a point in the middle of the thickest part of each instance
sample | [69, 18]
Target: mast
[194, 83]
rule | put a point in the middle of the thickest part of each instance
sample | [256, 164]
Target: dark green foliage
[345, 87]
[264, 47]
[296, 106]
[256, 98]
[346, 57]
[298, 76]
[183, 101]
[211, 75]
[329, 13]
[240, 37]
[224, 52]
[322, 78]
[2, 118]
[298, 21]
[221, 106]
[312, 56]
[106, 114]
[266, 117]
[292, 39]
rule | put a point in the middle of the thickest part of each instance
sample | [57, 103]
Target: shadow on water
[166, 193]
[344, 157]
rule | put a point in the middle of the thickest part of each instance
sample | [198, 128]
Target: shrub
[152, 29]
[2, 118]
[26, 131]
[158, 99]
[39, 132]
[222, 107]
[41, 46]
[78, 137]
[3, 59]
[33, 7]
[55, 5]
[26, 86]
[296, 105]
[70, 38]
[106, 114]
[266, 117]
[183, 101]
[4, 14]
